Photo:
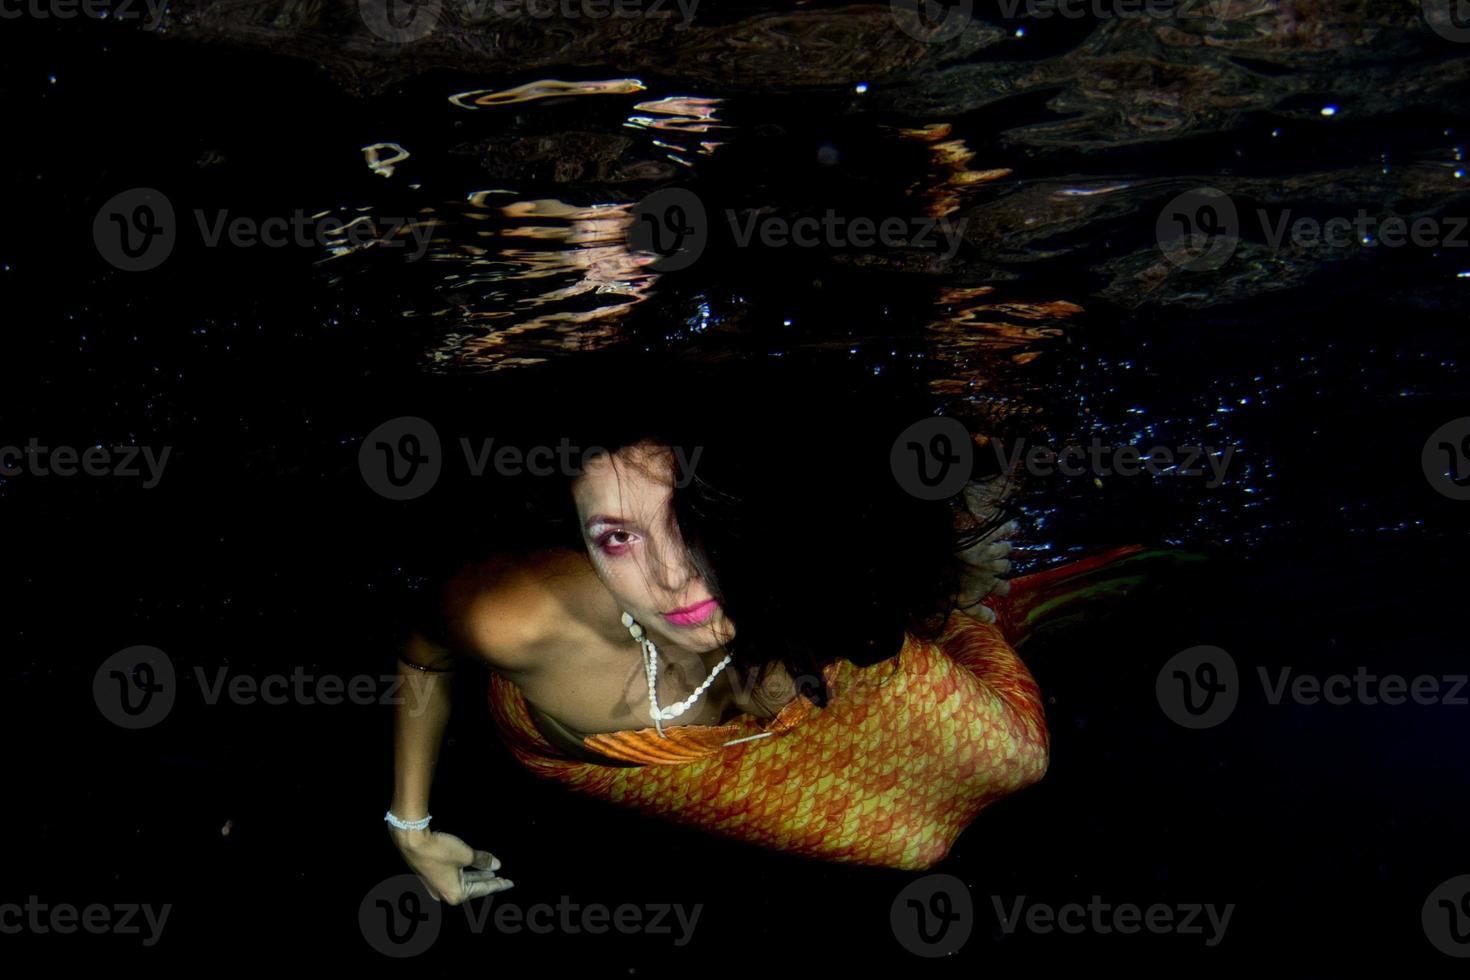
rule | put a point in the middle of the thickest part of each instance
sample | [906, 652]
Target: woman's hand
[983, 564]
[450, 869]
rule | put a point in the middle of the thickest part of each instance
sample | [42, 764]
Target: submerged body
[903, 757]
[548, 625]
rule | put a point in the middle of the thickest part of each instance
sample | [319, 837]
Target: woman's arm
[418, 732]
[490, 611]
[450, 869]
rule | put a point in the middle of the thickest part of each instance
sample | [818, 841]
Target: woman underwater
[749, 627]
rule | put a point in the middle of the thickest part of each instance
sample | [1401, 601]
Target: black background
[262, 550]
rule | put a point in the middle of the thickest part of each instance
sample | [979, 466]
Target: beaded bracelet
[407, 824]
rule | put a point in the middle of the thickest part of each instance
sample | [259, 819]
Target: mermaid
[748, 626]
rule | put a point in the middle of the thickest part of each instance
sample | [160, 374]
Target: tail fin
[1064, 594]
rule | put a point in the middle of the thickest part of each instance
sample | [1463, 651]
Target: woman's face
[624, 507]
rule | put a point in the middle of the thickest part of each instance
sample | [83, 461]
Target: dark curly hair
[790, 510]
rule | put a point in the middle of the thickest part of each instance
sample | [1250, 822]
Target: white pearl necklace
[650, 668]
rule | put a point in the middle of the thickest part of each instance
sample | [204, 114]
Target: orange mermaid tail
[905, 755]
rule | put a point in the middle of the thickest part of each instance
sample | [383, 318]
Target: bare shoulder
[511, 610]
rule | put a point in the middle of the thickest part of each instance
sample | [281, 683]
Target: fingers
[477, 884]
[982, 566]
[485, 861]
[969, 600]
[979, 579]
[985, 557]
[469, 857]
[986, 549]
[982, 499]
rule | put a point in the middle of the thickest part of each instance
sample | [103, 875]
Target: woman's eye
[616, 542]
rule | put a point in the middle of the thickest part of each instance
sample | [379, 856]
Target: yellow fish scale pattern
[902, 759]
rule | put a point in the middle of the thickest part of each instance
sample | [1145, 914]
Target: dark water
[1325, 367]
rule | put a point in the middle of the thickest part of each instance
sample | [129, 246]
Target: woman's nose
[671, 569]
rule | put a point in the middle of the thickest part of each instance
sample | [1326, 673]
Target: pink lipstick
[692, 615]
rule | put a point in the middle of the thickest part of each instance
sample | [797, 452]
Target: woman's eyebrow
[606, 519]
